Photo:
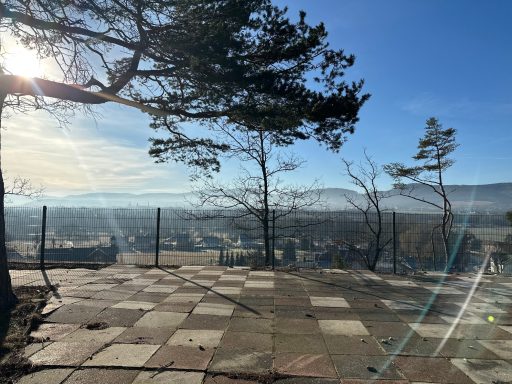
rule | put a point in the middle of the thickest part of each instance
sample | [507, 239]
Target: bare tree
[433, 154]
[364, 176]
[258, 189]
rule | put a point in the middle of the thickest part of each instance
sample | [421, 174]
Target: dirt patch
[15, 328]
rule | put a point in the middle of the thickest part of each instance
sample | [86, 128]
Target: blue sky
[422, 58]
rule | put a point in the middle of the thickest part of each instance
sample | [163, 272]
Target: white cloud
[83, 158]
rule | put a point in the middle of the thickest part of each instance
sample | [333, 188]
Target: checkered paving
[193, 324]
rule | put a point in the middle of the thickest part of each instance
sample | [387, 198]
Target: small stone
[390, 338]
[372, 369]
[201, 348]
[363, 341]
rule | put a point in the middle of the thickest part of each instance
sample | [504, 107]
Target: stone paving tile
[53, 331]
[213, 309]
[436, 370]
[169, 378]
[485, 371]
[261, 342]
[73, 314]
[175, 307]
[161, 319]
[306, 380]
[240, 324]
[118, 317]
[196, 338]
[298, 364]
[99, 336]
[408, 346]
[311, 344]
[47, 376]
[64, 354]
[205, 322]
[342, 327]
[353, 345]
[150, 297]
[145, 306]
[241, 360]
[365, 367]
[221, 379]
[333, 302]
[181, 357]
[296, 326]
[470, 349]
[145, 335]
[122, 355]
[266, 312]
[502, 348]
[103, 376]
[384, 328]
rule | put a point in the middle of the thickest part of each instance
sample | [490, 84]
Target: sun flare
[22, 62]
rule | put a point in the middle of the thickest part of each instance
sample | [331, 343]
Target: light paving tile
[160, 288]
[185, 298]
[268, 284]
[401, 283]
[485, 371]
[97, 287]
[53, 331]
[98, 336]
[47, 376]
[467, 318]
[232, 278]
[195, 283]
[64, 354]
[135, 305]
[225, 291]
[444, 290]
[161, 319]
[507, 328]
[195, 338]
[334, 302]
[169, 378]
[214, 309]
[342, 327]
[123, 355]
[438, 331]
[402, 305]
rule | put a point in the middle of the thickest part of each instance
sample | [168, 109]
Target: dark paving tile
[365, 367]
[118, 317]
[312, 344]
[103, 376]
[353, 345]
[299, 364]
[294, 312]
[74, 314]
[241, 324]
[296, 326]
[469, 349]
[247, 340]
[143, 335]
[241, 360]
[265, 312]
[335, 314]
[306, 380]
[175, 307]
[437, 370]
[194, 321]
[149, 297]
[222, 379]
[181, 357]
[387, 328]
[408, 346]
[293, 301]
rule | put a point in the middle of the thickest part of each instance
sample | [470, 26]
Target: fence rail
[304, 239]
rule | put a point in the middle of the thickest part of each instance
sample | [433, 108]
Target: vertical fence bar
[157, 247]
[394, 243]
[273, 239]
[43, 238]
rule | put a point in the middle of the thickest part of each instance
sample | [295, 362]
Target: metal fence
[47, 236]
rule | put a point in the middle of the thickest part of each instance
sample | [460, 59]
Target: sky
[422, 58]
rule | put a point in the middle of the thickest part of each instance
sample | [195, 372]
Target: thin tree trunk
[7, 297]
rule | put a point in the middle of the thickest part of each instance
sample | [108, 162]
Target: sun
[22, 62]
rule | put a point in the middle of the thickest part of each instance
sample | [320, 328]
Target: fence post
[43, 238]
[394, 243]
[273, 239]
[157, 248]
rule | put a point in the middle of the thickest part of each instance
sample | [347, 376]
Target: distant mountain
[468, 198]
